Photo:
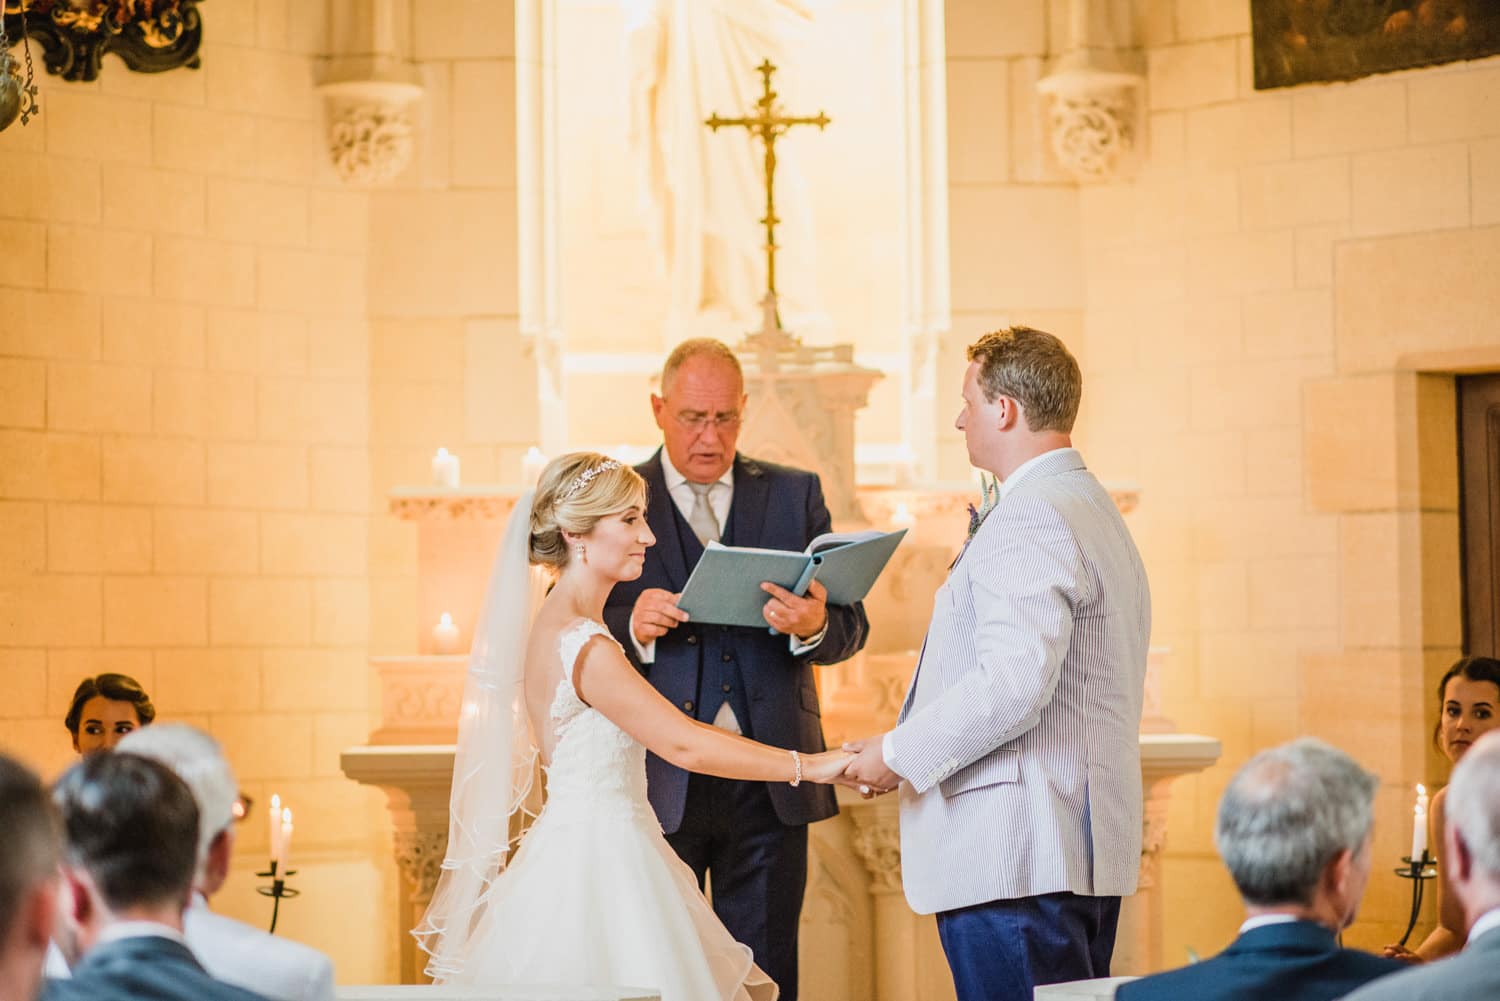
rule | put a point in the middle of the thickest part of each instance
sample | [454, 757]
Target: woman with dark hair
[1468, 701]
[104, 709]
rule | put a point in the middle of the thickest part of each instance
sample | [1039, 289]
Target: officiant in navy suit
[749, 838]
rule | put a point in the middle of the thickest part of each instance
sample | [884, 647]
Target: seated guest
[28, 880]
[1471, 854]
[230, 950]
[1294, 831]
[104, 709]
[1468, 704]
[130, 846]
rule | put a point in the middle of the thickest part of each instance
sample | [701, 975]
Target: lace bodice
[594, 762]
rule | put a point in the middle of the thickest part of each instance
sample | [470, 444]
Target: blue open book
[724, 588]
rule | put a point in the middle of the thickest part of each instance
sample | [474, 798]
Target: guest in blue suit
[750, 838]
[1294, 830]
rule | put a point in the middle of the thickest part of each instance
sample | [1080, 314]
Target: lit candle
[445, 468]
[275, 824]
[285, 842]
[445, 635]
[902, 516]
[1419, 825]
[532, 465]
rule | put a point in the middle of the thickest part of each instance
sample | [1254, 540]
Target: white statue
[704, 193]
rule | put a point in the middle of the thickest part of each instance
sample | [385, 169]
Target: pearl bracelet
[797, 762]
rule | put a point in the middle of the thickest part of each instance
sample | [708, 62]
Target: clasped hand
[867, 773]
[858, 764]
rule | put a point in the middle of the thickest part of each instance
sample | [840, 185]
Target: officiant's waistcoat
[719, 677]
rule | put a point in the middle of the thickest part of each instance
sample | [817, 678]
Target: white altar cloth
[434, 992]
[1102, 989]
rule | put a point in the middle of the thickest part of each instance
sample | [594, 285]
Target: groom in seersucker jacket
[1017, 751]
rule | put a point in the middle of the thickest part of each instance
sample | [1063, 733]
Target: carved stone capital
[371, 128]
[419, 856]
[877, 842]
[1153, 838]
[1093, 117]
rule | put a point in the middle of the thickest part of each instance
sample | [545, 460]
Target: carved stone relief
[419, 855]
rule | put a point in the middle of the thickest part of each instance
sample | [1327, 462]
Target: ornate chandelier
[151, 36]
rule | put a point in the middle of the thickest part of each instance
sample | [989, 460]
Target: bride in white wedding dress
[594, 895]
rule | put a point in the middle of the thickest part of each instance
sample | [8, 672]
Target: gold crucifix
[768, 124]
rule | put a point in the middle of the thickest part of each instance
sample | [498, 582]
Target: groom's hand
[654, 615]
[867, 772]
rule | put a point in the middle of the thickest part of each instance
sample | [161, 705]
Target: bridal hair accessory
[586, 477]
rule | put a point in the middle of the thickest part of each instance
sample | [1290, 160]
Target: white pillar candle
[445, 635]
[445, 468]
[1418, 833]
[285, 841]
[275, 824]
[532, 464]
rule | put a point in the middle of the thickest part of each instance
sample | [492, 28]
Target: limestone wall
[215, 358]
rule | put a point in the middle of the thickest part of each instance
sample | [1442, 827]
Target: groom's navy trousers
[1000, 951]
[749, 839]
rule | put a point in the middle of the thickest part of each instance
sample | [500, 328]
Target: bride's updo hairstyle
[574, 492]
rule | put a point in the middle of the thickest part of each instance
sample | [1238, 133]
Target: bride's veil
[495, 763]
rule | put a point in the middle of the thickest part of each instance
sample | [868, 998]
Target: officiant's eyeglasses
[698, 423]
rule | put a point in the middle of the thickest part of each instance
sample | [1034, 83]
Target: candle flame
[445, 619]
[276, 803]
[286, 815]
[442, 453]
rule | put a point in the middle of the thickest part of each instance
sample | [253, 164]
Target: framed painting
[1305, 41]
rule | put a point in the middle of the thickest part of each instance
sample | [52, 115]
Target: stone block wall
[1298, 474]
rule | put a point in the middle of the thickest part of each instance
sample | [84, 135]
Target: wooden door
[1479, 470]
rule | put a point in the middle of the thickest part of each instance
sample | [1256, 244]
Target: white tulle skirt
[598, 898]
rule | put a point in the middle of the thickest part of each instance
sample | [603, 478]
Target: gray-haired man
[1471, 852]
[1294, 831]
[230, 950]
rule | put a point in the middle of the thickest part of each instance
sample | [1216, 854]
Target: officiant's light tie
[701, 518]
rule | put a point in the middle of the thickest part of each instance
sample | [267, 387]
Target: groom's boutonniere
[989, 496]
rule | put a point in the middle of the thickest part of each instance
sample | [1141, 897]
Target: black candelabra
[1419, 871]
[277, 890]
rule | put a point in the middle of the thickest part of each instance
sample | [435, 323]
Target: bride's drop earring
[580, 553]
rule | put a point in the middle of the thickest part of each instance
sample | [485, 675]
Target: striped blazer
[1019, 737]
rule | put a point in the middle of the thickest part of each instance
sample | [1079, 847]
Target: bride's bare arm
[606, 680]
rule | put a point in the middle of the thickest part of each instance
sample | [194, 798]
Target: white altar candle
[532, 464]
[445, 635]
[284, 843]
[275, 824]
[1418, 833]
[445, 468]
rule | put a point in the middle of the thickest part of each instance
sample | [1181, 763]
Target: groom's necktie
[701, 518]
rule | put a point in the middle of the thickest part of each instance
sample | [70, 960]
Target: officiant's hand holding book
[725, 587]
